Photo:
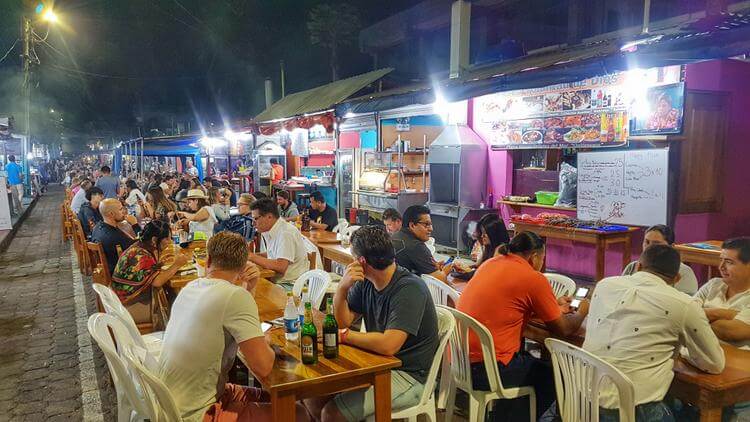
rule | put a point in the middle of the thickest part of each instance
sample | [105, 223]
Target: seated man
[411, 251]
[663, 235]
[726, 300]
[109, 234]
[89, 214]
[637, 324]
[80, 197]
[322, 217]
[505, 292]
[282, 245]
[287, 209]
[401, 321]
[212, 319]
[392, 220]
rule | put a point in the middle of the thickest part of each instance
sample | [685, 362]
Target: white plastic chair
[113, 306]
[317, 284]
[159, 401]
[461, 371]
[342, 224]
[130, 405]
[578, 379]
[562, 285]
[440, 293]
[426, 405]
[346, 234]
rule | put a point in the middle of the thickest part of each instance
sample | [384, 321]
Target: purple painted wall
[734, 219]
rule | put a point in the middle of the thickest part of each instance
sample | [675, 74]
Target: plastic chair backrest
[440, 291]
[342, 224]
[446, 325]
[160, 402]
[578, 380]
[317, 282]
[114, 307]
[100, 325]
[562, 285]
[459, 347]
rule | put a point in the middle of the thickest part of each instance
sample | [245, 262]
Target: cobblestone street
[48, 368]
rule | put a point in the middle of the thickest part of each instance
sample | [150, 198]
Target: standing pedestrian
[15, 180]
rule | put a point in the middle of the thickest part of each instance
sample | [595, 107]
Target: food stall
[262, 164]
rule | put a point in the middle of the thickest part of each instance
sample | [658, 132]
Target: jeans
[646, 412]
[522, 370]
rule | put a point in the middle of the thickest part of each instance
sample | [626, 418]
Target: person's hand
[564, 302]
[131, 219]
[715, 314]
[583, 308]
[180, 260]
[249, 276]
[352, 274]
[447, 268]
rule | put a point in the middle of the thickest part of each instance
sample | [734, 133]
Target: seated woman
[202, 217]
[490, 233]
[219, 202]
[663, 235]
[134, 197]
[158, 206]
[138, 270]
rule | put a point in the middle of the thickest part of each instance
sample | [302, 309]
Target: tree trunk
[334, 63]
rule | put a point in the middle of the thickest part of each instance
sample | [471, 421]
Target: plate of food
[532, 137]
[553, 136]
[553, 102]
[591, 135]
[553, 122]
[580, 100]
[591, 120]
[572, 121]
[574, 135]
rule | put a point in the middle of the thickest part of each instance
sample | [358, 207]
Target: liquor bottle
[309, 341]
[306, 221]
[330, 333]
[291, 321]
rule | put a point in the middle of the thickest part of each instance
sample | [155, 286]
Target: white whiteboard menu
[623, 187]
[5, 221]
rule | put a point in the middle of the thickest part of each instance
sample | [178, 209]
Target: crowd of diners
[638, 321]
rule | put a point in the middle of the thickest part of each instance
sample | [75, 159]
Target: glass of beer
[199, 259]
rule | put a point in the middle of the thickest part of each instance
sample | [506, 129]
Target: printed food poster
[664, 111]
[596, 112]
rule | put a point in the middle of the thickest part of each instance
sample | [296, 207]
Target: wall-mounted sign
[403, 125]
[594, 112]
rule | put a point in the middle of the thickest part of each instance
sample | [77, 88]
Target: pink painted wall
[734, 220]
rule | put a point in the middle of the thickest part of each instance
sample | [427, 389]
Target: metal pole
[646, 16]
[27, 88]
[283, 80]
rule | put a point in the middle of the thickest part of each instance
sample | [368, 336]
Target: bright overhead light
[349, 115]
[234, 136]
[50, 16]
[29, 156]
[210, 142]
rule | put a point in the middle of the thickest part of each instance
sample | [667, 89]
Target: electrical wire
[10, 49]
[123, 77]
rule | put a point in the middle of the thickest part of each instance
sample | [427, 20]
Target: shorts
[359, 404]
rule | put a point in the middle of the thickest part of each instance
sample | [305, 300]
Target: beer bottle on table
[330, 333]
[306, 221]
[309, 341]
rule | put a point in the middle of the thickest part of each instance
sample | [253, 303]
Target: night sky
[110, 61]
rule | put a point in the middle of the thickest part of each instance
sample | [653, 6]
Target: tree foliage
[332, 27]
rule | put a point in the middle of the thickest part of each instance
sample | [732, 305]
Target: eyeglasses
[426, 224]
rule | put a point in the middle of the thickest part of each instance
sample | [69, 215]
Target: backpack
[241, 224]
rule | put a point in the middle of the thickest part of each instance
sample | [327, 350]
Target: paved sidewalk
[45, 351]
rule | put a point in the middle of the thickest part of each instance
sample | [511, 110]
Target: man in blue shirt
[108, 183]
[15, 180]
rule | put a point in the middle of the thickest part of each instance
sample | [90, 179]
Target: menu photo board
[595, 112]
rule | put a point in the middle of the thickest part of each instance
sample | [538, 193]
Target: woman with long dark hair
[138, 270]
[158, 206]
[491, 234]
[201, 217]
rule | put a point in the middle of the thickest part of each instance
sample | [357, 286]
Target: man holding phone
[400, 317]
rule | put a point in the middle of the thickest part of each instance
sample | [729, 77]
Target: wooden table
[290, 380]
[709, 257]
[598, 238]
[330, 248]
[709, 393]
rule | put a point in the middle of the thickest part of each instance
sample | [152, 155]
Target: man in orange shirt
[277, 171]
[505, 292]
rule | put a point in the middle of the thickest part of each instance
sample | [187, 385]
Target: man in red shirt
[505, 292]
[277, 171]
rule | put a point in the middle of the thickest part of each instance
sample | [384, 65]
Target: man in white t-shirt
[638, 323]
[283, 246]
[212, 318]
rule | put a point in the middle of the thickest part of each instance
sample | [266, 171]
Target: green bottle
[309, 340]
[330, 333]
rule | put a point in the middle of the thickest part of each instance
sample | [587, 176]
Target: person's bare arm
[319, 226]
[732, 330]
[259, 356]
[716, 314]
[166, 275]
[344, 315]
[387, 343]
[279, 265]
[569, 324]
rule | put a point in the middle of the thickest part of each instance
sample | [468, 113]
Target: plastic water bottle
[301, 310]
[291, 319]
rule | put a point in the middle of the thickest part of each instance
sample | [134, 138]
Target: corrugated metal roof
[321, 98]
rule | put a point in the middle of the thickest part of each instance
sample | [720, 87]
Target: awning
[176, 146]
[707, 39]
[318, 99]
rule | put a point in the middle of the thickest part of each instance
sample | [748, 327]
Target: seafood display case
[386, 181]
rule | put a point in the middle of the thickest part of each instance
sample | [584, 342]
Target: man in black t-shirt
[109, 234]
[322, 217]
[400, 318]
[409, 244]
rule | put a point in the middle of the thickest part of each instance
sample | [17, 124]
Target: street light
[50, 16]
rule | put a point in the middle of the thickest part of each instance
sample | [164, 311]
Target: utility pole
[27, 34]
[283, 79]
